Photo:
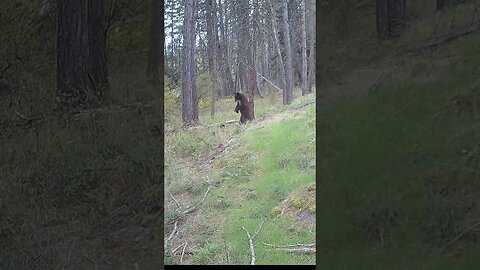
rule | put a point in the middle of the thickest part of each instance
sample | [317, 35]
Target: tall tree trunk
[391, 18]
[82, 71]
[212, 50]
[228, 55]
[288, 91]
[382, 19]
[283, 75]
[311, 55]
[153, 75]
[245, 55]
[189, 89]
[304, 49]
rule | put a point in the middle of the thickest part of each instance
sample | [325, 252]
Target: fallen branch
[471, 228]
[175, 201]
[173, 251]
[287, 246]
[295, 248]
[25, 121]
[191, 209]
[304, 105]
[436, 44]
[81, 114]
[183, 252]
[250, 241]
[173, 130]
[304, 250]
[173, 232]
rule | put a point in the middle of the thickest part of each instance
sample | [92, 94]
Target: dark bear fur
[243, 105]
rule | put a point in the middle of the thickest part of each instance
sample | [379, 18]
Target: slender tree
[391, 18]
[288, 91]
[276, 41]
[189, 90]
[304, 49]
[82, 71]
[311, 55]
[212, 50]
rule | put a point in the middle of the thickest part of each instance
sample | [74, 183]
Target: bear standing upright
[243, 105]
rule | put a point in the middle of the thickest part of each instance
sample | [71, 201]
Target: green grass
[394, 184]
[60, 180]
[269, 161]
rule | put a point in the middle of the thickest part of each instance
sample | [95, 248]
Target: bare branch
[287, 246]
[173, 232]
[175, 201]
[263, 77]
[304, 250]
[191, 209]
[458, 237]
[181, 245]
[250, 241]
[183, 252]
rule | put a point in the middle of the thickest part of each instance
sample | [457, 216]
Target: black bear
[243, 105]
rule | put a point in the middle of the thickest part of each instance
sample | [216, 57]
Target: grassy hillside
[260, 172]
[398, 176]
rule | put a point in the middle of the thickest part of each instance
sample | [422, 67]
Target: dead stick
[286, 246]
[299, 250]
[460, 236]
[252, 250]
[191, 209]
[173, 232]
[183, 252]
[175, 201]
[250, 241]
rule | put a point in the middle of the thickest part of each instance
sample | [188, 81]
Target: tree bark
[153, 75]
[277, 45]
[189, 89]
[382, 19]
[288, 91]
[311, 55]
[391, 18]
[304, 49]
[226, 76]
[247, 72]
[82, 71]
[212, 50]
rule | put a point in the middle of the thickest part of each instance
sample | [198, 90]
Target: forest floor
[398, 161]
[257, 177]
[81, 192]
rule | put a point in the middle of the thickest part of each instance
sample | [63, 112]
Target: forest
[339, 133]
[239, 132]
[81, 134]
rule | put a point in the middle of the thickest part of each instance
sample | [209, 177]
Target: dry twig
[287, 246]
[295, 248]
[183, 252]
[250, 241]
[471, 228]
[175, 201]
[191, 209]
[174, 250]
[173, 232]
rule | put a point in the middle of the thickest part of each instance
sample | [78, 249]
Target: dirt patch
[299, 206]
